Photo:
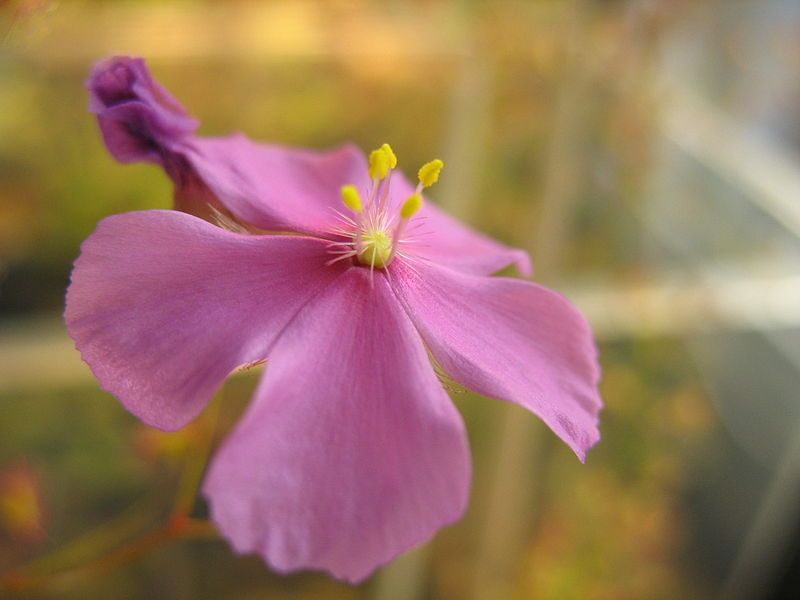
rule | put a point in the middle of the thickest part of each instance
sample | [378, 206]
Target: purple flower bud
[139, 119]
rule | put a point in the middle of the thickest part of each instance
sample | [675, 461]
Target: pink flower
[351, 451]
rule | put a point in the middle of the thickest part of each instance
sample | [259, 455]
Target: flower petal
[351, 452]
[444, 240]
[509, 339]
[162, 306]
[277, 188]
[455, 245]
[139, 119]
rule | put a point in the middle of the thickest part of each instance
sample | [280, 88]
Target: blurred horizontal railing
[244, 30]
[36, 353]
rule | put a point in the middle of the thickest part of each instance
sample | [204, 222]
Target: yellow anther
[390, 154]
[351, 198]
[411, 206]
[380, 163]
[429, 172]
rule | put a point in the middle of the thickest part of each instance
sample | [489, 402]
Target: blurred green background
[644, 152]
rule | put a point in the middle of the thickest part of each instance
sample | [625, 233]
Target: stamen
[383, 197]
[387, 149]
[226, 221]
[373, 237]
[343, 256]
[429, 174]
[411, 206]
[380, 163]
[351, 198]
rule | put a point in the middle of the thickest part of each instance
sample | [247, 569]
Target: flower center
[375, 248]
[374, 232]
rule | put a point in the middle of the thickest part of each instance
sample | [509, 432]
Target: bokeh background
[645, 152]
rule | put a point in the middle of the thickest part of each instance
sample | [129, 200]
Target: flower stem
[177, 527]
[101, 539]
[196, 463]
[59, 568]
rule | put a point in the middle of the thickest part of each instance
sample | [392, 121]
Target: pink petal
[163, 306]
[444, 240]
[276, 188]
[453, 244]
[351, 452]
[508, 339]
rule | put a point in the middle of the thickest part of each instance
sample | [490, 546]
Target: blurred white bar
[677, 309]
[37, 354]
